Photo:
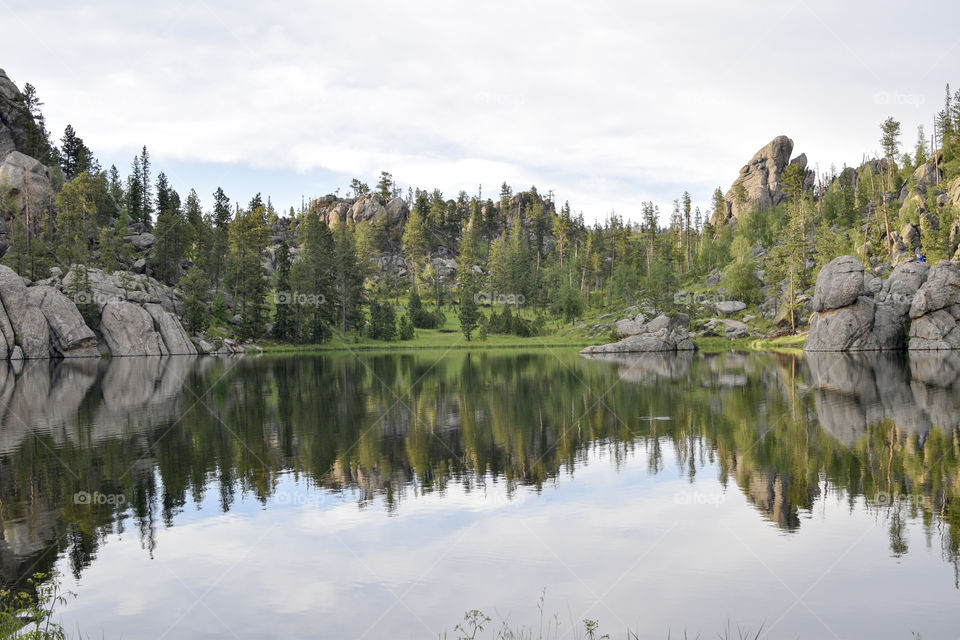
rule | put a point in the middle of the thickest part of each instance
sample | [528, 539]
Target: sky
[606, 104]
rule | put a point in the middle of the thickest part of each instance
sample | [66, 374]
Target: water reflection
[159, 435]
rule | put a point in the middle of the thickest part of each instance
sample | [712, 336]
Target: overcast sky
[605, 103]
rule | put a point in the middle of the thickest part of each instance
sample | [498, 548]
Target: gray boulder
[629, 327]
[728, 307]
[845, 329]
[28, 323]
[27, 181]
[175, 339]
[396, 211]
[936, 330]
[141, 241]
[128, 330]
[71, 337]
[902, 285]
[926, 175]
[34, 334]
[839, 283]
[941, 289]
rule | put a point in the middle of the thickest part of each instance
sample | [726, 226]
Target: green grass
[556, 335]
[449, 336]
[784, 344]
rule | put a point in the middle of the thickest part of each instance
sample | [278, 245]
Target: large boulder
[128, 330]
[839, 283]
[34, 334]
[366, 209]
[71, 337]
[727, 307]
[175, 338]
[397, 211]
[941, 290]
[630, 327]
[28, 323]
[901, 287]
[936, 330]
[141, 241]
[926, 175]
[848, 328]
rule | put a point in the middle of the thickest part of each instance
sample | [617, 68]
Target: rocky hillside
[85, 312]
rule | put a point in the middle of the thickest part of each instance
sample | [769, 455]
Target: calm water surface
[381, 496]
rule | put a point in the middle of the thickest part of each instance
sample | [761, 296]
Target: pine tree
[283, 321]
[348, 278]
[75, 157]
[385, 187]
[195, 287]
[415, 240]
[315, 280]
[220, 242]
[248, 243]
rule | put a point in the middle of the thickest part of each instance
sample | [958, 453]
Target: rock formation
[663, 333]
[760, 179]
[134, 316]
[917, 307]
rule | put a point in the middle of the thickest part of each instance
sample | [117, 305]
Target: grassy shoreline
[435, 339]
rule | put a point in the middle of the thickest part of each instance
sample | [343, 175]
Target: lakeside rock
[916, 308]
[661, 334]
[134, 315]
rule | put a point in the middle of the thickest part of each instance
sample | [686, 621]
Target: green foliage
[248, 244]
[195, 287]
[219, 308]
[419, 315]
[507, 322]
[830, 243]
[383, 323]
[30, 615]
[467, 312]
[405, 329]
[740, 280]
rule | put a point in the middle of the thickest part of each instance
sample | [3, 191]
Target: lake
[383, 495]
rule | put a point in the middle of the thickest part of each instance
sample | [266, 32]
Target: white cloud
[608, 104]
